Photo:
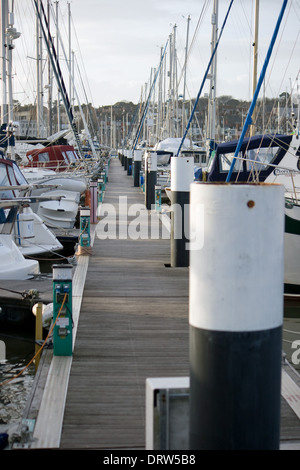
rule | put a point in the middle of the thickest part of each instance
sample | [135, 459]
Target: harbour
[130, 313]
[150, 270]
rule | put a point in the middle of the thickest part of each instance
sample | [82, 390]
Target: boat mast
[49, 85]
[204, 79]
[184, 77]
[257, 90]
[159, 102]
[213, 80]
[175, 86]
[39, 79]
[11, 35]
[57, 50]
[4, 17]
[70, 59]
[255, 54]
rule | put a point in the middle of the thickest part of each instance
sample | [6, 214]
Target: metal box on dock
[167, 413]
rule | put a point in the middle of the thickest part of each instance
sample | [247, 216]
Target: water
[14, 395]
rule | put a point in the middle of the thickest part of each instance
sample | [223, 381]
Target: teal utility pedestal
[101, 188]
[85, 227]
[62, 310]
[158, 198]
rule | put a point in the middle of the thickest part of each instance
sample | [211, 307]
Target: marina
[150, 270]
[130, 313]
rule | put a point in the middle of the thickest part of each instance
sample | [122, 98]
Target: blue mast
[203, 81]
[259, 84]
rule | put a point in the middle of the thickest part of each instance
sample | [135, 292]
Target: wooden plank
[131, 323]
[47, 431]
[290, 392]
[48, 426]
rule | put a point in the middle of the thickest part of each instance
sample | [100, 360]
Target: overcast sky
[117, 43]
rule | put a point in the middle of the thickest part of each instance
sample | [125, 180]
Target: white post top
[62, 272]
[182, 173]
[151, 161]
[236, 256]
[85, 212]
[138, 155]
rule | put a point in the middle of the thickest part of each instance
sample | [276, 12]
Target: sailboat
[268, 158]
[14, 266]
[49, 167]
[28, 231]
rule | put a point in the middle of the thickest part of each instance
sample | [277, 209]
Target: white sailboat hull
[57, 214]
[13, 264]
[32, 236]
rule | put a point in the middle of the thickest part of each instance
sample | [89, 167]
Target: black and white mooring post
[137, 162]
[182, 175]
[236, 315]
[129, 162]
[125, 159]
[150, 178]
[94, 201]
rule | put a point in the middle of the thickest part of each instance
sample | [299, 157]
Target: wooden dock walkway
[130, 323]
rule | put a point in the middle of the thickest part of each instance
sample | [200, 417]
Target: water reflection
[14, 394]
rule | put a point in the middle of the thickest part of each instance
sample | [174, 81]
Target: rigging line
[54, 63]
[58, 75]
[204, 79]
[78, 45]
[86, 97]
[149, 98]
[73, 124]
[201, 16]
[259, 84]
[276, 53]
[82, 61]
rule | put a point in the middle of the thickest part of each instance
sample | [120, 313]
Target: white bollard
[182, 175]
[236, 315]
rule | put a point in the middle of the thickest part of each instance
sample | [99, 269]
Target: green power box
[62, 310]
[85, 227]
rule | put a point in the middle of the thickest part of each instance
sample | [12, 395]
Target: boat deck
[130, 323]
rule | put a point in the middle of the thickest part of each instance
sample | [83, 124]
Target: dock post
[38, 332]
[137, 163]
[182, 175]
[85, 232]
[236, 315]
[150, 178]
[129, 163]
[62, 310]
[94, 201]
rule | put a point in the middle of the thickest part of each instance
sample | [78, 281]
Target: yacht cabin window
[226, 160]
[262, 156]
